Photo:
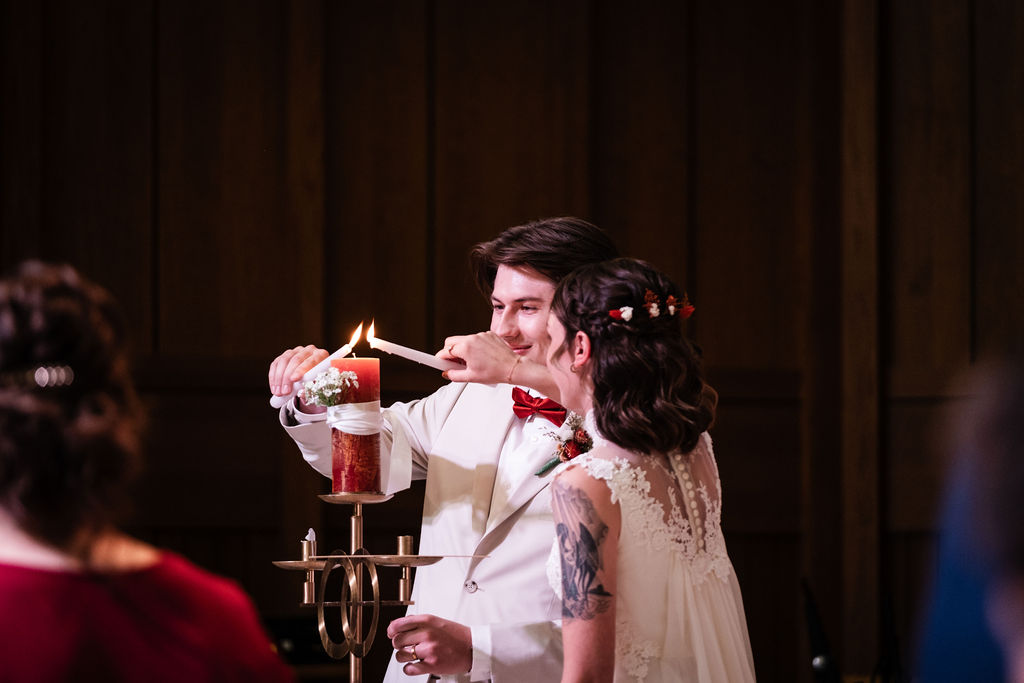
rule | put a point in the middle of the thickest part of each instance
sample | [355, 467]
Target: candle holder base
[358, 609]
[317, 562]
[347, 498]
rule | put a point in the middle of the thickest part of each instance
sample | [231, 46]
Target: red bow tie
[526, 405]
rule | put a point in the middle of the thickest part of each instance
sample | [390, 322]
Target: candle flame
[357, 334]
[369, 335]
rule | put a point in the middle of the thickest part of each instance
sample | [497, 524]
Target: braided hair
[649, 389]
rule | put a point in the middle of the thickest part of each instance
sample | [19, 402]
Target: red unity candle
[356, 457]
[367, 372]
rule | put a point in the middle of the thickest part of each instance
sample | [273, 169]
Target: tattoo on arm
[580, 533]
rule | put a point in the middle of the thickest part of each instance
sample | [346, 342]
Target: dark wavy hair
[69, 448]
[649, 389]
[554, 247]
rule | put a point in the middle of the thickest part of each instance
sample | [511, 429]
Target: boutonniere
[572, 440]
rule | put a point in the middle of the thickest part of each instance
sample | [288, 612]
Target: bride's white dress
[679, 612]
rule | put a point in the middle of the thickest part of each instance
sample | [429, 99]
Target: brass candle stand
[352, 602]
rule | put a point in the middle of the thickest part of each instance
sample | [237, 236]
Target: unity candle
[355, 430]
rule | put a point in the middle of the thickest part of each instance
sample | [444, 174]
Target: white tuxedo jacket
[454, 438]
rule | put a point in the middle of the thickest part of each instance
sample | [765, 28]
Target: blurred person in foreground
[82, 601]
[974, 624]
[648, 591]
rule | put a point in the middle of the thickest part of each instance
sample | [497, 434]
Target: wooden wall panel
[640, 131]
[304, 180]
[915, 466]
[858, 361]
[222, 147]
[756, 433]
[818, 316]
[999, 159]
[304, 175]
[912, 559]
[926, 201]
[767, 568]
[745, 139]
[86, 147]
[755, 445]
[378, 230]
[511, 132]
[212, 489]
[21, 28]
[238, 477]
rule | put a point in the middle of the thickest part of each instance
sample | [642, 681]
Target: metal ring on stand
[360, 647]
[333, 649]
[352, 564]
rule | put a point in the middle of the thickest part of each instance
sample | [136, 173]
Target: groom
[492, 618]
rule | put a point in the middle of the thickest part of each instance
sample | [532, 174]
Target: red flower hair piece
[652, 304]
[684, 307]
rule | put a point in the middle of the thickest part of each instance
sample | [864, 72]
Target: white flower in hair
[651, 304]
[627, 313]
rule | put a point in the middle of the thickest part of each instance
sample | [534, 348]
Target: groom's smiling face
[520, 304]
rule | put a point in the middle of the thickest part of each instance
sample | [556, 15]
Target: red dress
[169, 622]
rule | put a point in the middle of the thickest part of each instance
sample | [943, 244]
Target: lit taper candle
[411, 354]
[278, 401]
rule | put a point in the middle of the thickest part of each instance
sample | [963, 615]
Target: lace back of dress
[699, 492]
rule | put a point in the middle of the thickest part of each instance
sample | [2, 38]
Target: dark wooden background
[837, 184]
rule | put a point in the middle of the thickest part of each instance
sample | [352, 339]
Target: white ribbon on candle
[355, 418]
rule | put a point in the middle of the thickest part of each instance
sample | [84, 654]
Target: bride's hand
[488, 359]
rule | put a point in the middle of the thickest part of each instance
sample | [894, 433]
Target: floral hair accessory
[42, 377]
[624, 313]
[652, 304]
[330, 388]
[572, 440]
[684, 307]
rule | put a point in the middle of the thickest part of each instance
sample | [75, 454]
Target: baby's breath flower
[330, 388]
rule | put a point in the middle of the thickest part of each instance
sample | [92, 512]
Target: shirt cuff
[481, 669]
[301, 417]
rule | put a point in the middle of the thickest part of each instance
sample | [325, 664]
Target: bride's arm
[587, 526]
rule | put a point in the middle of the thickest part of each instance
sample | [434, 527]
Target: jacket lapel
[523, 492]
[472, 445]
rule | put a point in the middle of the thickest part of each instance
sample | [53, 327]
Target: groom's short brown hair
[554, 247]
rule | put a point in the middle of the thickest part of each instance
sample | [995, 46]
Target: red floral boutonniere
[572, 440]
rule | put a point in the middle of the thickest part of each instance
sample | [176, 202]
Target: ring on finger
[414, 655]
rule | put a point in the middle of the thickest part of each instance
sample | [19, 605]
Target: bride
[648, 590]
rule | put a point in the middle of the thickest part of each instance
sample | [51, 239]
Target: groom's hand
[431, 645]
[291, 365]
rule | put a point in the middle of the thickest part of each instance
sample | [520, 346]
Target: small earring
[572, 368]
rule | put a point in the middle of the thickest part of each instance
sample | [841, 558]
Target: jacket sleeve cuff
[481, 669]
[297, 417]
[313, 439]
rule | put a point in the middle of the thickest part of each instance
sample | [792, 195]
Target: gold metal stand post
[355, 664]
